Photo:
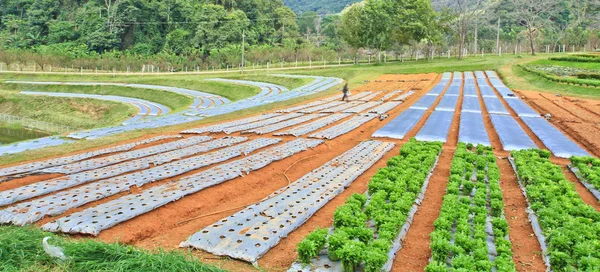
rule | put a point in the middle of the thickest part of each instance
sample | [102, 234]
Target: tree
[284, 23]
[465, 11]
[569, 17]
[534, 15]
[307, 22]
[382, 23]
[61, 31]
[177, 41]
[416, 21]
[330, 28]
[351, 25]
[378, 24]
[217, 28]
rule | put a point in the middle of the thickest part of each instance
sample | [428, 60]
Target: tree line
[207, 33]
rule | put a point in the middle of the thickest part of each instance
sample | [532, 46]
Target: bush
[578, 58]
[588, 76]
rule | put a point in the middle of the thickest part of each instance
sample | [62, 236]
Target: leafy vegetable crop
[562, 79]
[578, 58]
[364, 230]
[589, 169]
[571, 227]
[472, 203]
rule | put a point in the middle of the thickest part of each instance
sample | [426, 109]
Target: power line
[224, 21]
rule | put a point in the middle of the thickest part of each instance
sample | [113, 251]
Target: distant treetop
[318, 6]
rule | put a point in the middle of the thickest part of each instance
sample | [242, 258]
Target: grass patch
[77, 113]
[231, 91]
[357, 74]
[579, 58]
[288, 82]
[192, 82]
[21, 250]
[173, 101]
[581, 65]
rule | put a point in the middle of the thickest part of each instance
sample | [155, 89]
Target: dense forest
[318, 6]
[208, 33]
[144, 26]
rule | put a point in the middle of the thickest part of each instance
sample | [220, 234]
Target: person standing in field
[345, 91]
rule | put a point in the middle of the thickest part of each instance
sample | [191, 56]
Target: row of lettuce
[571, 227]
[578, 58]
[473, 200]
[586, 79]
[365, 227]
[589, 169]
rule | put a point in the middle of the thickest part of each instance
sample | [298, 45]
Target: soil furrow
[415, 252]
[526, 248]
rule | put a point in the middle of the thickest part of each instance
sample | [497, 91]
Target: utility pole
[476, 30]
[243, 41]
[498, 37]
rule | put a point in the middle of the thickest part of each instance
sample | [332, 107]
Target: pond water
[16, 134]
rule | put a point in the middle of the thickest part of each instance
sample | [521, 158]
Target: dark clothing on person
[345, 91]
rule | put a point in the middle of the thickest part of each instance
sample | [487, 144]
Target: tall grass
[21, 250]
[77, 113]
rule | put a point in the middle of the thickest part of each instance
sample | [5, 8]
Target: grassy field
[173, 101]
[583, 65]
[193, 82]
[21, 250]
[288, 82]
[77, 113]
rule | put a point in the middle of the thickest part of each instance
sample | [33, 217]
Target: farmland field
[422, 171]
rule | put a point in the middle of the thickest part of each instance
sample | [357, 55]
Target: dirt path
[526, 249]
[415, 252]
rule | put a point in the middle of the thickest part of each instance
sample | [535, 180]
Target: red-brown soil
[160, 227]
[415, 252]
[585, 194]
[578, 118]
[526, 248]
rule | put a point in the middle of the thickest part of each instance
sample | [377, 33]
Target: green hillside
[319, 6]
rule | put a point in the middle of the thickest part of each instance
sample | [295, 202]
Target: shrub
[588, 76]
